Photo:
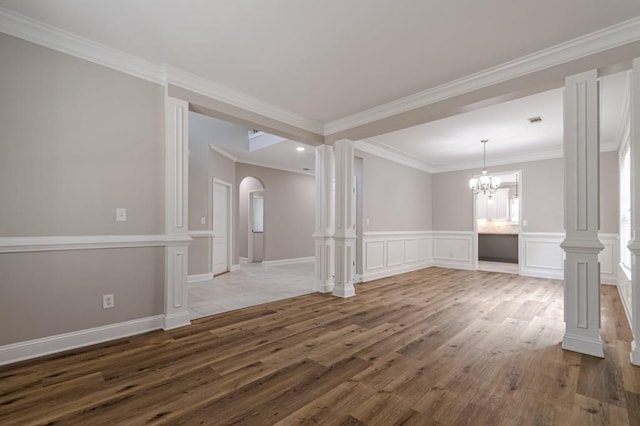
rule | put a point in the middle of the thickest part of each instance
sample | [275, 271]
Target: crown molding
[46, 35]
[373, 147]
[223, 152]
[54, 38]
[205, 87]
[589, 44]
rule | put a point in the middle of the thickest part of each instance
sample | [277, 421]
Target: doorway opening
[222, 234]
[498, 224]
[251, 220]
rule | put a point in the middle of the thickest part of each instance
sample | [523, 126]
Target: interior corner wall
[247, 184]
[395, 197]
[542, 196]
[289, 211]
[77, 141]
[206, 164]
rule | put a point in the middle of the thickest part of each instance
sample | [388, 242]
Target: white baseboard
[542, 273]
[453, 264]
[199, 277]
[388, 272]
[235, 267]
[47, 345]
[635, 354]
[244, 259]
[288, 261]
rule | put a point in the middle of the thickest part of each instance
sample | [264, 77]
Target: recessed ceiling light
[300, 148]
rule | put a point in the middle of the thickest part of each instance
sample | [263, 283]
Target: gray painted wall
[395, 197]
[49, 293]
[77, 140]
[289, 212]
[542, 196]
[204, 165]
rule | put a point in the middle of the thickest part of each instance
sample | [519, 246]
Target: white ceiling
[454, 142]
[324, 60]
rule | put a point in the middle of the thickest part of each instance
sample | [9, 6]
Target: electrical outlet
[202, 221]
[108, 301]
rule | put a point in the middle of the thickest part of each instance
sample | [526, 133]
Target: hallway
[253, 284]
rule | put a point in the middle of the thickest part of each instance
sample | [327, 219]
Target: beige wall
[247, 184]
[206, 164]
[395, 197]
[542, 196]
[49, 293]
[77, 140]
[289, 200]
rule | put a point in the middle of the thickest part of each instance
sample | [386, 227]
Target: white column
[345, 225]
[176, 215]
[325, 214]
[634, 245]
[581, 214]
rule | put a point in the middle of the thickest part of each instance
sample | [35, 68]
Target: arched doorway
[251, 220]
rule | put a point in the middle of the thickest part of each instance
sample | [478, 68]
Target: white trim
[397, 233]
[389, 253]
[533, 245]
[62, 342]
[196, 278]
[284, 169]
[589, 44]
[198, 84]
[230, 213]
[235, 267]
[87, 242]
[201, 233]
[222, 152]
[289, 261]
[243, 260]
[54, 38]
[373, 147]
[583, 345]
[177, 319]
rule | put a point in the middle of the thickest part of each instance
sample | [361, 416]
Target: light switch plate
[524, 223]
[121, 214]
[202, 221]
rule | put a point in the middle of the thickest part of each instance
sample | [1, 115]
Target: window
[625, 207]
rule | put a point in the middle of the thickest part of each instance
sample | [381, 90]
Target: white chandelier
[485, 184]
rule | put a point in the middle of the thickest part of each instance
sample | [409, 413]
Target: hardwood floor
[437, 346]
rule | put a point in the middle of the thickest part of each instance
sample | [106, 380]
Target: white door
[220, 228]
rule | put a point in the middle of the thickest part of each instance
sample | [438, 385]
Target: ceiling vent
[535, 119]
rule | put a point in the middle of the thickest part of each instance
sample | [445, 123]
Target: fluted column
[176, 213]
[325, 214]
[582, 208]
[345, 229]
[634, 245]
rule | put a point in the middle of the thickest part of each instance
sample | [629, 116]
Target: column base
[176, 319]
[635, 353]
[326, 287]
[344, 292]
[583, 345]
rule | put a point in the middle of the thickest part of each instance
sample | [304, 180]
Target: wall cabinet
[495, 208]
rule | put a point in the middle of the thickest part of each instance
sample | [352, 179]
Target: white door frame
[250, 223]
[215, 181]
[475, 219]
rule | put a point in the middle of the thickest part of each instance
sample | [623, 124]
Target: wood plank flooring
[437, 346]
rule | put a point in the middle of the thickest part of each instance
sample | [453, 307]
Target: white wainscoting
[541, 256]
[453, 249]
[390, 253]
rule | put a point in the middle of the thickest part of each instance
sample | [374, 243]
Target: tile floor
[508, 268]
[252, 284]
